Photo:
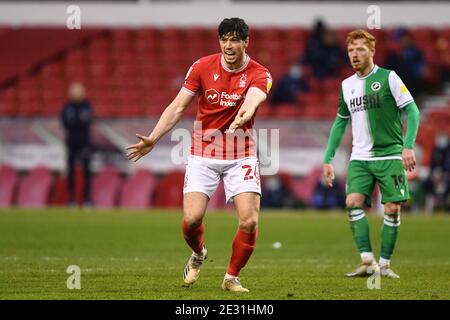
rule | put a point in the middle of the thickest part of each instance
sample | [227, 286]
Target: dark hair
[236, 26]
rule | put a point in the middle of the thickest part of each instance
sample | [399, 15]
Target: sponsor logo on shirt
[230, 100]
[224, 99]
[212, 96]
[370, 101]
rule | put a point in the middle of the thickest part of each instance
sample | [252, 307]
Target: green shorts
[389, 174]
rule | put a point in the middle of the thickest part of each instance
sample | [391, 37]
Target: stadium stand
[303, 188]
[137, 191]
[60, 193]
[106, 187]
[133, 73]
[8, 179]
[34, 188]
[169, 191]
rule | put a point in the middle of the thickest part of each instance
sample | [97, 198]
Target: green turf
[141, 255]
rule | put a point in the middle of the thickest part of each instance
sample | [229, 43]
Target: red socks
[243, 245]
[194, 236]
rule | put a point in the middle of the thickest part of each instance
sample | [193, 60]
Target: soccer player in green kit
[373, 99]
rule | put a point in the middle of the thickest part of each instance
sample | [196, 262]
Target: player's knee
[392, 208]
[352, 202]
[192, 220]
[249, 224]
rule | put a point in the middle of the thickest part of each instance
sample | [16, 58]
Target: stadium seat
[118, 56]
[34, 189]
[8, 102]
[304, 188]
[106, 187]
[287, 111]
[60, 193]
[169, 191]
[8, 180]
[137, 191]
[59, 196]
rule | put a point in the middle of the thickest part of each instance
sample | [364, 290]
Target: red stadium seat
[105, 188]
[8, 102]
[127, 58]
[60, 194]
[304, 188]
[169, 192]
[137, 191]
[8, 184]
[34, 189]
[287, 111]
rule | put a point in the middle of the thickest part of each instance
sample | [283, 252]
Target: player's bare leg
[247, 205]
[194, 204]
[389, 234]
[361, 235]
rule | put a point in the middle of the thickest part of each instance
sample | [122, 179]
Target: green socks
[360, 229]
[389, 235]
[361, 233]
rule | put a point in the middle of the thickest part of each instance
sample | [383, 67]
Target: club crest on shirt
[375, 86]
[243, 81]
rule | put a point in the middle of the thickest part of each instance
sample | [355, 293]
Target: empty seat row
[40, 188]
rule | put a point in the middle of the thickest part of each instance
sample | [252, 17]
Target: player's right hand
[140, 149]
[328, 174]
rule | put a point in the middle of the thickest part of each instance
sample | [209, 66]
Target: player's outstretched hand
[241, 118]
[409, 159]
[140, 149]
[328, 174]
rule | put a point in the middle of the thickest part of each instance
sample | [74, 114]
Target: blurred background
[72, 99]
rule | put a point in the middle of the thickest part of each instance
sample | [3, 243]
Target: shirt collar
[374, 70]
[246, 61]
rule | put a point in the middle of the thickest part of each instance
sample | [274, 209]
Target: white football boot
[387, 272]
[192, 270]
[233, 284]
[365, 269]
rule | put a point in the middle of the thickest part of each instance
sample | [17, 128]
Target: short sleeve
[263, 82]
[192, 81]
[399, 91]
[342, 106]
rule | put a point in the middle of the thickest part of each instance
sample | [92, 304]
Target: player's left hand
[140, 149]
[241, 118]
[409, 159]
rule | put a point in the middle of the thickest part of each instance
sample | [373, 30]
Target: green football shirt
[374, 104]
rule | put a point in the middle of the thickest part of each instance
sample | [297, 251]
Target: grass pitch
[141, 255]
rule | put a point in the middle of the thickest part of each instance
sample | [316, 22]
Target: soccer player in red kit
[230, 86]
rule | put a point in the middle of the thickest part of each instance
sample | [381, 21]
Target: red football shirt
[221, 92]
